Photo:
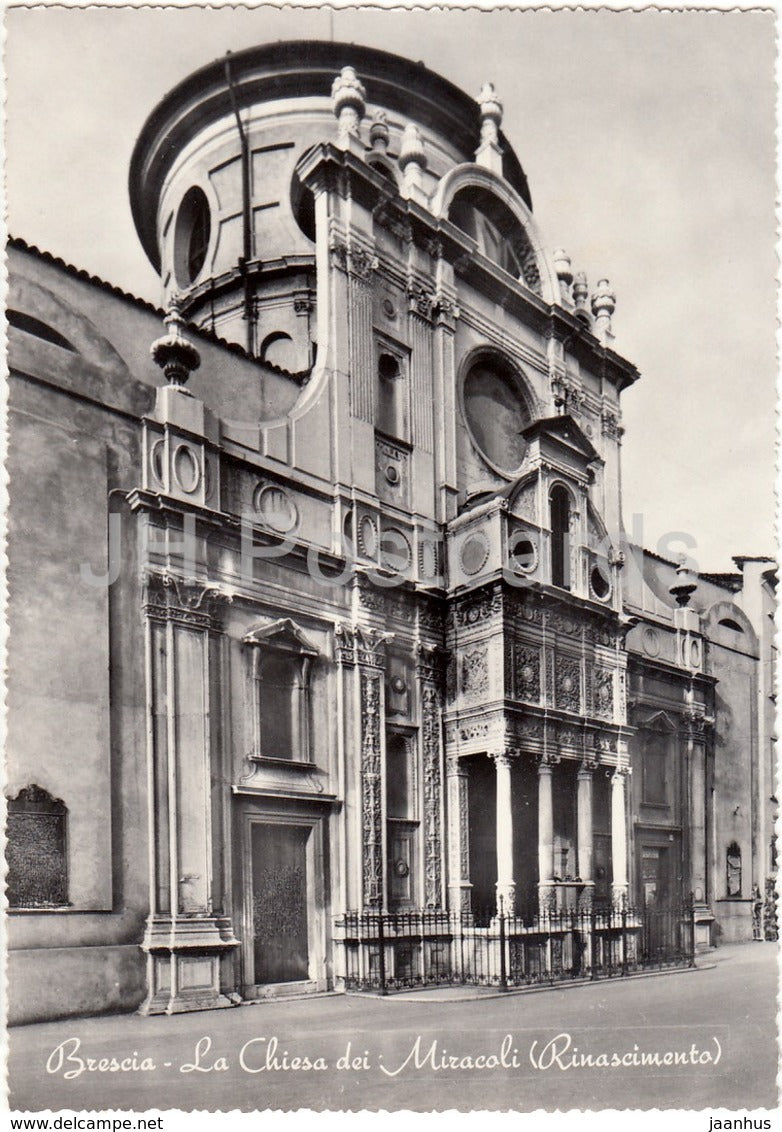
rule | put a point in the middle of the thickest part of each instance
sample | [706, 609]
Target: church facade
[323, 604]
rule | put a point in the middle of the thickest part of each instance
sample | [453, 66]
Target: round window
[496, 413]
[191, 236]
[600, 582]
[523, 554]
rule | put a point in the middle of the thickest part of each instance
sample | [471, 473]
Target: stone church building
[319, 596]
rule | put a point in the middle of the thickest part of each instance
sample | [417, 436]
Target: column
[618, 834]
[459, 887]
[545, 829]
[584, 820]
[506, 885]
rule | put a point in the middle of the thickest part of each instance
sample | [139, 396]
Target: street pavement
[702, 1038]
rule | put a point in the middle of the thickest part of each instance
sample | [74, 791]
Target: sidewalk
[428, 1050]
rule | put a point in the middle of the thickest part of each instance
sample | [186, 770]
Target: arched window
[278, 350]
[391, 394]
[733, 869]
[499, 235]
[559, 504]
[36, 850]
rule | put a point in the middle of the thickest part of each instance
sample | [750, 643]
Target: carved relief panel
[526, 672]
[567, 683]
[475, 672]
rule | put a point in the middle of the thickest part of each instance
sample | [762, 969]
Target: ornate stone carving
[491, 114]
[431, 663]
[562, 622]
[603, 693]
[185, 600]
[430, 737]
[475, 672]
[567, 694]
[477, 729]
[445, 309]
[431, 617]
[303, 304]
[603, 744]
[369, 596]
[348, 101]
[548, 759]
[174, 352]
[526, 674]
[695, 722]
[362, 646]
[371, 815]
[610, 424]
[355, 260]
[420, 300]
[548, 694]
[481, 609]
[601, 634]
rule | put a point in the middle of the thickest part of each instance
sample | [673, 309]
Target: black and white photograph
[390, 663]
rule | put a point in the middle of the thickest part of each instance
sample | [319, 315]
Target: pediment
[659, 721]
[562, 431]
[283, 634]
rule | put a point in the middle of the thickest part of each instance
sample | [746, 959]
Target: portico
[523, 834]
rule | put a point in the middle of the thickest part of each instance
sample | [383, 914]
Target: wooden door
[279, 902]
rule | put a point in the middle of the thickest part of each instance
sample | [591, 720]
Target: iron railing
[386, 951]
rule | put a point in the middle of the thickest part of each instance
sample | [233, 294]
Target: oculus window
[191, 236]
[496, 412]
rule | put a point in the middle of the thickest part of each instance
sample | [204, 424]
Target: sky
[648, 142]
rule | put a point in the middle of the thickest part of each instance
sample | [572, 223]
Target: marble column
[506, 884]
[459, 886]
[584, 819]
[545, 828]
[618, 834]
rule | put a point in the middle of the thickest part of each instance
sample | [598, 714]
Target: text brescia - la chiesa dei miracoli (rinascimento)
[375, 664]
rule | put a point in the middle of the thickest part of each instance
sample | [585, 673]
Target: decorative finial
[412, 161]
[412, 150]
[564, 271]
[379, 132]
[348, 100]
[603, 306]
[580, 297]
[488, 152]
[174, 353]
[685, 585]
[491, 113]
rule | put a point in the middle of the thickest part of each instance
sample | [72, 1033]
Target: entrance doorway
[279, 902]
[283, 898]
[655, 875]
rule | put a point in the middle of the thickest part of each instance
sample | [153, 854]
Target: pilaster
[363, 650]
[185, 934]
[430, 672]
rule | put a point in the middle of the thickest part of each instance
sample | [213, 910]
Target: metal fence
[384, 952]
